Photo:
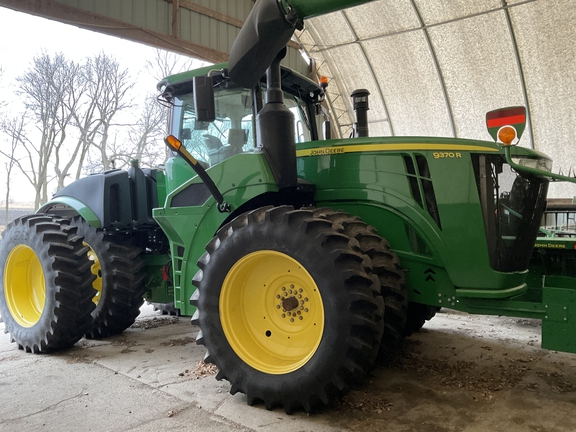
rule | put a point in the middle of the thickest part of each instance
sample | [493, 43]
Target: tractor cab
[232, 131]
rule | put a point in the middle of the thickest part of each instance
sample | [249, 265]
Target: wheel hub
[271, 312]
[292, 303]
[96, 270]
[24, 286]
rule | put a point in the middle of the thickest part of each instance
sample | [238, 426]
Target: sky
[23, 36]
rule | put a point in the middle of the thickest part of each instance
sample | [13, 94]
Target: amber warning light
[507, 135]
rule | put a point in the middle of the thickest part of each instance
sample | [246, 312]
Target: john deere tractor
[302, 259]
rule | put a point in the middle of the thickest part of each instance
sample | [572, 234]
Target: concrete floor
[460, 373]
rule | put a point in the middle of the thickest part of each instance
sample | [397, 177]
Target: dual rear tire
[61, 279]
[46, 300]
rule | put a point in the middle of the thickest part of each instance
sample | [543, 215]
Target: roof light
[323, 81]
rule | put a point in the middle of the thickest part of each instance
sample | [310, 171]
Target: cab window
[231, 133]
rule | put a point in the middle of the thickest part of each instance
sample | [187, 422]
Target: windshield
[512, 204]
[231, 133]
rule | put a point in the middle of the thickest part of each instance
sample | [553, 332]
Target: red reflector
[505, 112]
[501, 121]
[165, 273]
[513, 116]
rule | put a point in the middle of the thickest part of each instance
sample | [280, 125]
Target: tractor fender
[114, 200]
[68, 206]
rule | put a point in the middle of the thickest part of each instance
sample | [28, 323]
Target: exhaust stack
[360, 102]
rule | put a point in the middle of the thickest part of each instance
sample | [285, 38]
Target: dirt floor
[460, 373]
[468, 373]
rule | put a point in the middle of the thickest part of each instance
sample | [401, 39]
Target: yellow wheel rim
[271, 312]
[96, 270]
[24, 286]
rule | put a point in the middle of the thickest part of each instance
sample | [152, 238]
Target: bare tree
[81, 117]
[10, 153]
[163, 64]
[15, 130]
[111, 96]
[2, 103]
[166, 63]
[146, 135]
[46, 88]
[65, 155]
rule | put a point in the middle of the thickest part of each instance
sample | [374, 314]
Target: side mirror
[204, 99]
[186, 134]
[327, 129]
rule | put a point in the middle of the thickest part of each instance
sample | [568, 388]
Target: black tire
[250, 278]
[46, 284]
[119, 283]
[418, 314]
[386, 266]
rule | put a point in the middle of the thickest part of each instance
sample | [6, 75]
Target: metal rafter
[520, 71]
[428, 26]
[437, 67]
[378, 87]
[322, 63]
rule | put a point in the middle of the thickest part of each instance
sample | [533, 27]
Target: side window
[231, 133]
[302, 127]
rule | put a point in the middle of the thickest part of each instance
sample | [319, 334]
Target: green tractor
[303, 259]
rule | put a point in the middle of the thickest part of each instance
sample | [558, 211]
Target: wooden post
[175, 15]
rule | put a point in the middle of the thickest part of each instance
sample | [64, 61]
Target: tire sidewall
[20, 234]
[322, 267]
